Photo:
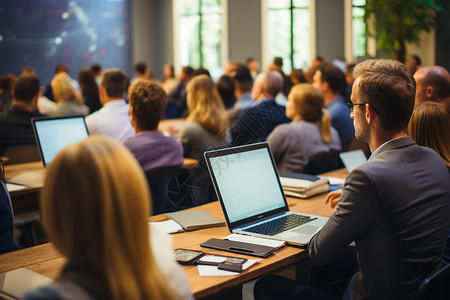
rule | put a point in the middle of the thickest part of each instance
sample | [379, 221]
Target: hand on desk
[333, 198]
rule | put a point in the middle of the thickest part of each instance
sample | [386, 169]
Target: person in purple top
[151, 147]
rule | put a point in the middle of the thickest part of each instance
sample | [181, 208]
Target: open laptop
[249, 190]
[55, 133]
[352, 159]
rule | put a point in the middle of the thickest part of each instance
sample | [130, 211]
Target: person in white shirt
[112, 119]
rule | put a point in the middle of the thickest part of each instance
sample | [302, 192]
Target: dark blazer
[396, 208]
[255, 123]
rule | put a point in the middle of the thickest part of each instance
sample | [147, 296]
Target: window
[200, 31]
[287, 32]
[359, 28]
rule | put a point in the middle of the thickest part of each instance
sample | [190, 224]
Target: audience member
[253, 66]
[243, 87]
[96, 69]
[89, 89]
[112, 253]
[151, 147]
[169, 81]
[413, 63]
[178, 95]
[68, 101]
[255, 123]
[6, 87]
[350, 80]
[386, 216]
[201, 71]
[309, 133]
[226, 87]
[430, 127]
[433, 84]
[44, 105]
[330, 80]
[297, 76]
[231, 68]
[7, 243]
[112, 119]
[15, 125]
[206, 126]
[142, 71]
[61, 68]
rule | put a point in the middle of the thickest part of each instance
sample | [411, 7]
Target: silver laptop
[55, 133]
[248, 187]
[352, 159]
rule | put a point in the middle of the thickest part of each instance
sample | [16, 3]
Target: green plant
[397, 22]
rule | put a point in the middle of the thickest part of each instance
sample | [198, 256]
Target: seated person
[151, 147]
[68, 100]
[433, 84]
[309, 133]
[110, 250]
[255, 123]
[112, 119]
[6, 217]
[15, 125]
[394, 207]
[206, 126]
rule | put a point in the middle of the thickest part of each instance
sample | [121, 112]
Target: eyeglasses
[351, 106]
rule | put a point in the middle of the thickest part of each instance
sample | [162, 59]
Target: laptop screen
[352, 159]
[247, 182]
[54, 134]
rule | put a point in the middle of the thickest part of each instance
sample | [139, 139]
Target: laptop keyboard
[280, 224]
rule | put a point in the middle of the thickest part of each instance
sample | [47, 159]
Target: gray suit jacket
[396, 208]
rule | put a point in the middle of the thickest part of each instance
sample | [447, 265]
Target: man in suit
[255, 123]
[395, 207]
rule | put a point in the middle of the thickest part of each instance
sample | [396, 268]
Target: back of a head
[201, 90]
[114, 81]
[308, 100]
[88, 214]
[439, 79]
[225, 87]
[140, 67]
[86, 79]
[243, 80]
[63, 89]
[96, 68]
[26, 88]
[389, 88]
[61, 68]
[201, 71]
[333, 75]
[272, 82]
[148, 100]
[429, 127]
[29, 71]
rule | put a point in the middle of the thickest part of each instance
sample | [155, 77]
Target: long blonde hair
[95, 204]
[63, 89]
[310, 104]
[429, 127]
[205, 105]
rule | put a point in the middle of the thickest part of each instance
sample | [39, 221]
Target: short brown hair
[389, 88]
[333, 75]
[26, 88]
[148, 100]
[114, 81]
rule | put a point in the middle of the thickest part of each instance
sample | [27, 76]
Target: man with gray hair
[395, 207]
[255, 123]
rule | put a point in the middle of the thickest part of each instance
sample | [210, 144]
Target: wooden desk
[46, 260]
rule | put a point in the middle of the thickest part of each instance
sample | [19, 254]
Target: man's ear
[325, 86]
[429, 92]
[131, 115]
[370, 113]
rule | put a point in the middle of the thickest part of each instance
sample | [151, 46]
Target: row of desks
[45, 260]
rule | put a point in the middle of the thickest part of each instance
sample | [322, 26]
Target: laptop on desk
[249, 190]
[352, 159]
[55, 133]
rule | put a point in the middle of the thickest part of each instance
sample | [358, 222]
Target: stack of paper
[303, 185]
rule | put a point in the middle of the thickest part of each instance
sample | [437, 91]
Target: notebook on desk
[249, 190]
[55, 133]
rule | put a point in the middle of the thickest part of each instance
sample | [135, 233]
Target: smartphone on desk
[187, 257]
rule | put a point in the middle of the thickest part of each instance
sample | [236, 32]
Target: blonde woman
[95, 204]
[68, 100]
[429, 126]
[206, 126]
[309, 133]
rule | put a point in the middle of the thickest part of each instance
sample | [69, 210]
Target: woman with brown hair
[68, 100]
[206, 126]
[95, 205]
[309, 133]
[429, 126]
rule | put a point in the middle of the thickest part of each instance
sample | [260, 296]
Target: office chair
[21, 154]
[436, 286]
[323, 162]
